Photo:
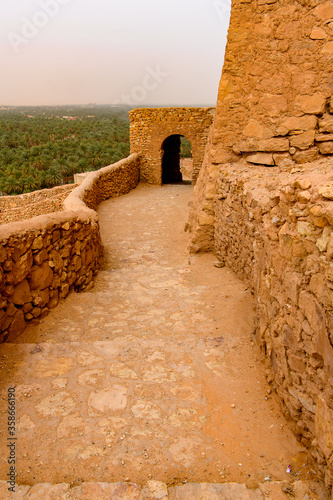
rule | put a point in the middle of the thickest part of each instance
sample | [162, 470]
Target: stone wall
[277, 234]
[264, 197]
[275, 95]
[29, 205]
[149, 127]
[43, 258]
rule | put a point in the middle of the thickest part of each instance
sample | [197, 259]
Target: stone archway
[151, 127]
[171, 160]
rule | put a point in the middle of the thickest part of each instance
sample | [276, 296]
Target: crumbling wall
[43, 258]
[275, 94]
[149, 127]
[264, 197]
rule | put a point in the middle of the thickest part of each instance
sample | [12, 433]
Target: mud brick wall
[277, 234]
[44, 258]
[149, 127]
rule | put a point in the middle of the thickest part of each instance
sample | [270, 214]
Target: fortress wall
[277, 234]
[275, 95]
[149, 127]
[44, 258]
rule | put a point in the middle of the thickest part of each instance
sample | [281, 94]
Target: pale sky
[139, 52]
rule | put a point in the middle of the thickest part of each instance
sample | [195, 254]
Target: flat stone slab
[157, 490]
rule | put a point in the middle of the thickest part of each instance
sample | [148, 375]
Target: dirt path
[151, 374]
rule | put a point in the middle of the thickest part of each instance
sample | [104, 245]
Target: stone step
[156, 490]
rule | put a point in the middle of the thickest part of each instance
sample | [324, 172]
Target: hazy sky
[138, 52]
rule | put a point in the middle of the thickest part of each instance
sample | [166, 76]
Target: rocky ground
[152, 374]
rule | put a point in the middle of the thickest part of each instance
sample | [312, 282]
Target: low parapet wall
[43, 258]
[276, 232]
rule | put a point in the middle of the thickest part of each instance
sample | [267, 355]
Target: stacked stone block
[29, 205]
[275, 95]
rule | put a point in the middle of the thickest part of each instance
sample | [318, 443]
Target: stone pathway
[153, 374]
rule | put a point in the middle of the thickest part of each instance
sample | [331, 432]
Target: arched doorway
[173, 148]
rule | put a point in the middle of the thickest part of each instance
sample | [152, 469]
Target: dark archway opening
[173, 150]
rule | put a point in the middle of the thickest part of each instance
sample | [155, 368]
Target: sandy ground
[152, 373]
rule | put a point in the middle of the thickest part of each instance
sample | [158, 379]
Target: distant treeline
[42, 147]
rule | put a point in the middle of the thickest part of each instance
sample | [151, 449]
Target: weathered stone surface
[323, 241]
[40, 257]
[324, 11]
[193, 123]
[18, 324]
[265, 145]
[327, 191]
[106, 491]
[254, 129]
[328, 48]
[20, 491]
[156, 490]
[274, 105]
[303, 141]
[312, 104]
[298, 124]
[205, 219]
[56, 261]
[54, 300]
[312, 311]
[326, 124]
[51, 368]
[306, 156]
[212, 492]
[21, 294]
[324, 426]
[61, 404]
[38, 243]
[324, 137]
[48, 492]
[261, 159]
[109, 399]
[40, 297]
[41, 277]
[22, 267]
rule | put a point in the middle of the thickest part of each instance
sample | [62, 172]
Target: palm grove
[42, 147]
